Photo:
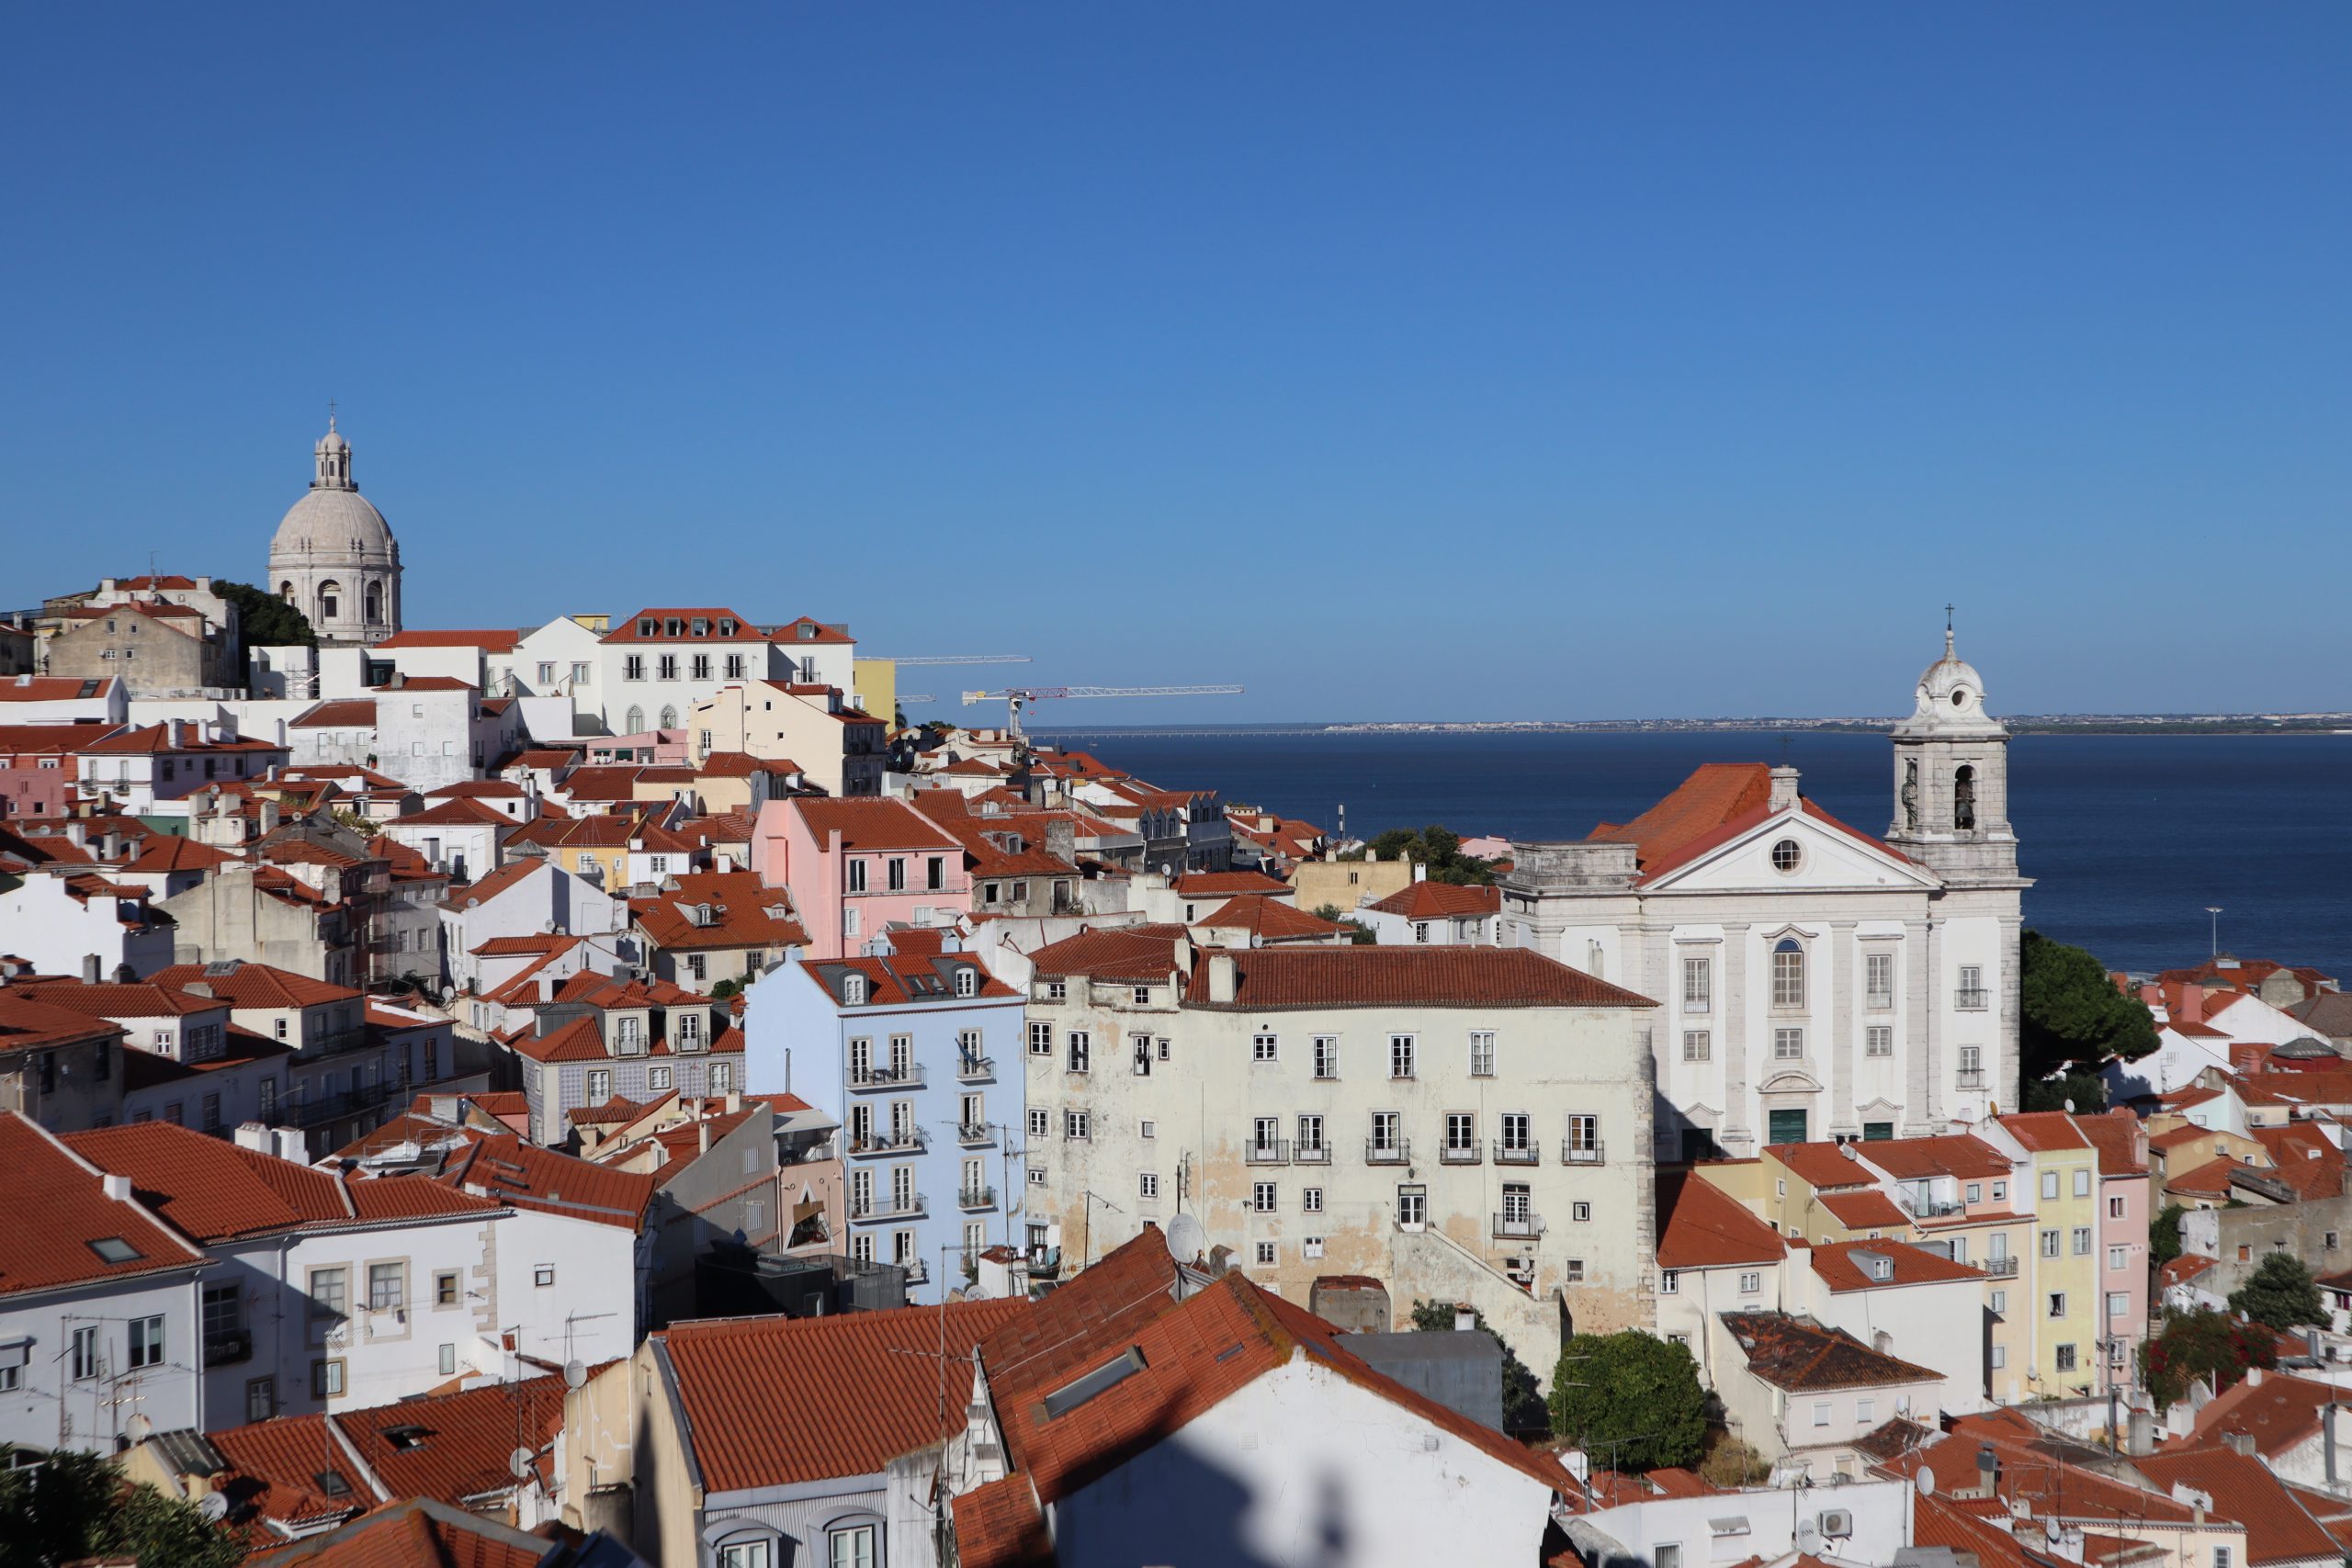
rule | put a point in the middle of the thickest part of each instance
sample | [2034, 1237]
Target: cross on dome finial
[1947, 631]
[329, 414]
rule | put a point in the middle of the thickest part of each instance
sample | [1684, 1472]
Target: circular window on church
[1960, 697]
[1786, 855]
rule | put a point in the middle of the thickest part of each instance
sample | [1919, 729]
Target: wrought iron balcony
[1520, 1154]
[976, 1198]
[2001, 1267]
[1518, 1227]
[1573, 1153]
[975, 1134]
[1273, 1152]
[1310, 1154]
[1378, 1153]
[1457, 1153]
[1972, 998]
[887, 1206]
[975, 1070]
[865, 1079]
[227, 1347]
[891, 1141]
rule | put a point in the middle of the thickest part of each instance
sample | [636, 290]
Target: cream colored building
[1346, 884]
[839, 748]
[1462, 1125]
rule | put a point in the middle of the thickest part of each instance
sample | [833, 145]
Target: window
[1412, 1206]
[1041, 1124]
[1077, 1124]
[1878, 979]
[146, 1342]
[1697, 984]
[1667, 1554]
[2000, 1192]
[1082, 1050]
[895, 874]
[656, 1077]
[1148, 1184]
[1401, 1056]
[2000, 1357]
[1145, 1130]
[2049, 1243]
[697, 963]
[2082, 1184]
[1262, 1047]
[1310, 1135]
[1420, 931]
[1976, 1192]
[1310, 1199]
[543, 1276]
[1865, 1412]
[1041, 1040]
[1057, 990]
[445, 1288]
[2115, 1212]
[1265, 1253]
[1669, 1284]
[600, 1085]
[1788, 1045]
[1327, 1055]
[1261, 1197]
[857, 876]
[1482, 1053]
[82, 1354]
[449, 1360]
[2065, 1358]
[1697, 1045]
[666, 666]
[1821, 1413]
[1971, 988]
[326, 1379]
[1572, 1270]
[1141, 996]
[2057, 1303]
[1580, 1212]
[846, 1549]
[1036, 1175]
[1788, 970]
[1517, 1127]
[330, 1298]
[2082, 1248]
[1879, 1040]
[701, 666]
[1751, 1284]
[934, 873]
[1386, 1134]
[2119, 1303]
[1461, 1132]
[1583, 1137]
[386, 1286]
[1787, 856]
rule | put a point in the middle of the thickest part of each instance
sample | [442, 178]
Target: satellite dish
[1187, 1238]
[140, 1424]
[214, 1506]
[1925, 1481]
[575, 1374]
[519, 1461]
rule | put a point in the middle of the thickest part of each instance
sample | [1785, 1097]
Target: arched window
[1788, 973]
[632, 721]
[286, 592]
[375, 603]
[330, 599]
[669, 718]
[1963, 798]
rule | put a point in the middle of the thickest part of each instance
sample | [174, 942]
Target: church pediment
[1795, 851]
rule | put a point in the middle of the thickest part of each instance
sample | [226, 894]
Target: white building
[1816, 982]
[333, 556]
[66, 921]
[656, 665]
[528, 898]
[1434, 914]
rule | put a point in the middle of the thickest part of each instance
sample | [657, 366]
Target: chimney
[89, 969]
[290, 1145]
[252, 1135]
[2239, 1442]
[702, 1136]
[117, 1187]
[1988, 1470]
[2253, 1377]
[547, 988]
[2141, 1433]
[1420, 870]
[2192, 1006]
[1222, 984]
[1784, 789]
[1465, 1317]
[269, 816]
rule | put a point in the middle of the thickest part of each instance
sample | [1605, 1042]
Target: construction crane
[1016, 698]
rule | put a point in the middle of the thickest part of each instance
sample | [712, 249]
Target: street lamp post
[2215, 911]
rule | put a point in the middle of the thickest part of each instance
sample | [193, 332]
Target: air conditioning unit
[1837, 1522]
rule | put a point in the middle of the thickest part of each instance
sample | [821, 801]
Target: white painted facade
[1938, 1323]
[49, 1406]
[60, 930]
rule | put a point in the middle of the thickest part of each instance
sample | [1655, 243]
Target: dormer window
[672, 626]
[853, 990]
[645, 628]
[727, 627]
[689, 1029]
[967, 982]
[701, 626]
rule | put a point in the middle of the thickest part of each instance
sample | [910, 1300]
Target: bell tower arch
[1952, 777]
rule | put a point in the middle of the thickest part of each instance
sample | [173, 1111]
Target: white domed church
[333, 556]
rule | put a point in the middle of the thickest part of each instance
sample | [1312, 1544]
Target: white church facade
[1814, 982]
[333, 556]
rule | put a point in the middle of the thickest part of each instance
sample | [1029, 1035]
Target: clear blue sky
[1395, 361]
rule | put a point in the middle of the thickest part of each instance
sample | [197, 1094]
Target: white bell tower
[1951, 778]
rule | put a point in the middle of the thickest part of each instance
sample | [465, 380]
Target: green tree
[1437, 849]
[1631, 1400]
[2164, 1234]
[263, 620]
[1358, 933]
[725, 990]
[1522, 1396]
[74, 1506]
[2086, 1092]
[2072, 1015]
[2281, 1293]
[2196, 1345]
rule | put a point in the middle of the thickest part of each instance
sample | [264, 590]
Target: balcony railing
[972, 1069]
[1518, 1227]
[864, 1079]
[1457, 1153]
[332, 1042]
[1573, 1153]
[1972, 1078]
[1311, 1154]
[976, 1198]
[1972, 998]
[1920, 1206]
[227, 1347]
[2001, 1268]
[1517, 1154]
[975, 1134]
[313, 1111]
[1273, 1152]
[1378, 1153]
[887, 1206]
[895, 1141]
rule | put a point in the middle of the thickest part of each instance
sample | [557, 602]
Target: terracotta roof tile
[1824, 1168]
[1868, 1210]
[1849, 1266]
[47, 1179]
[1270, 918]
[252, 985]
[494, 640]
[1440, 901]
[1282, 978]
[2277, 1527]
[1120, 952]
[1799, 1354]
[1705, 1227]
[871, 824]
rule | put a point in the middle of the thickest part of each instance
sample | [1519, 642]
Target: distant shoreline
[2219, 725]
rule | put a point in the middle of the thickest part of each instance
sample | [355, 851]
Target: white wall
[41, 921]
[48, 1409]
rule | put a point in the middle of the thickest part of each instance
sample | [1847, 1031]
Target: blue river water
[2128, 839]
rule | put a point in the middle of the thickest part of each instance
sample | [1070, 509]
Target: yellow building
[875, 683]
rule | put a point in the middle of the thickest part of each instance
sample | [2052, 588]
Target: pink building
[2121, 1141]
[856, 866]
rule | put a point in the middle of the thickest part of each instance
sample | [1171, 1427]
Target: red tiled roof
[1270, 918]
[1705, 1227]
[1228, 884]
[2182, 1270]
[1120, 952]
[817, 631]
[1865, 1211]
[734, 1375]
[626, 628]
[338, 713]
[2041, 1131]
[252, 985]
[1835, 1262]
[2278, 1528]
[745, 913]
[135, 998]
[1798, 1355]
[510, 1169]
[2116, 1135]
[871, 824]
[456, 813]
[212, 1189]
[418, 1532]
[1822, 1167]
[2278, 1412]
[51, 688]
[496, 640]
[1956, 1154]
[514, 946]
[28, 1022]
[2304, 1159]
[905, 978]
[156, 739]
[1440, 901]
[47, 1180]
[1715, 795]
[1274, 978]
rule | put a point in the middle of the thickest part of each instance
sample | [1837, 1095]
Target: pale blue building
[917, 1049]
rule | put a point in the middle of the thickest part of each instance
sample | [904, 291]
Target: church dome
[333, 518]
[1949, 698]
